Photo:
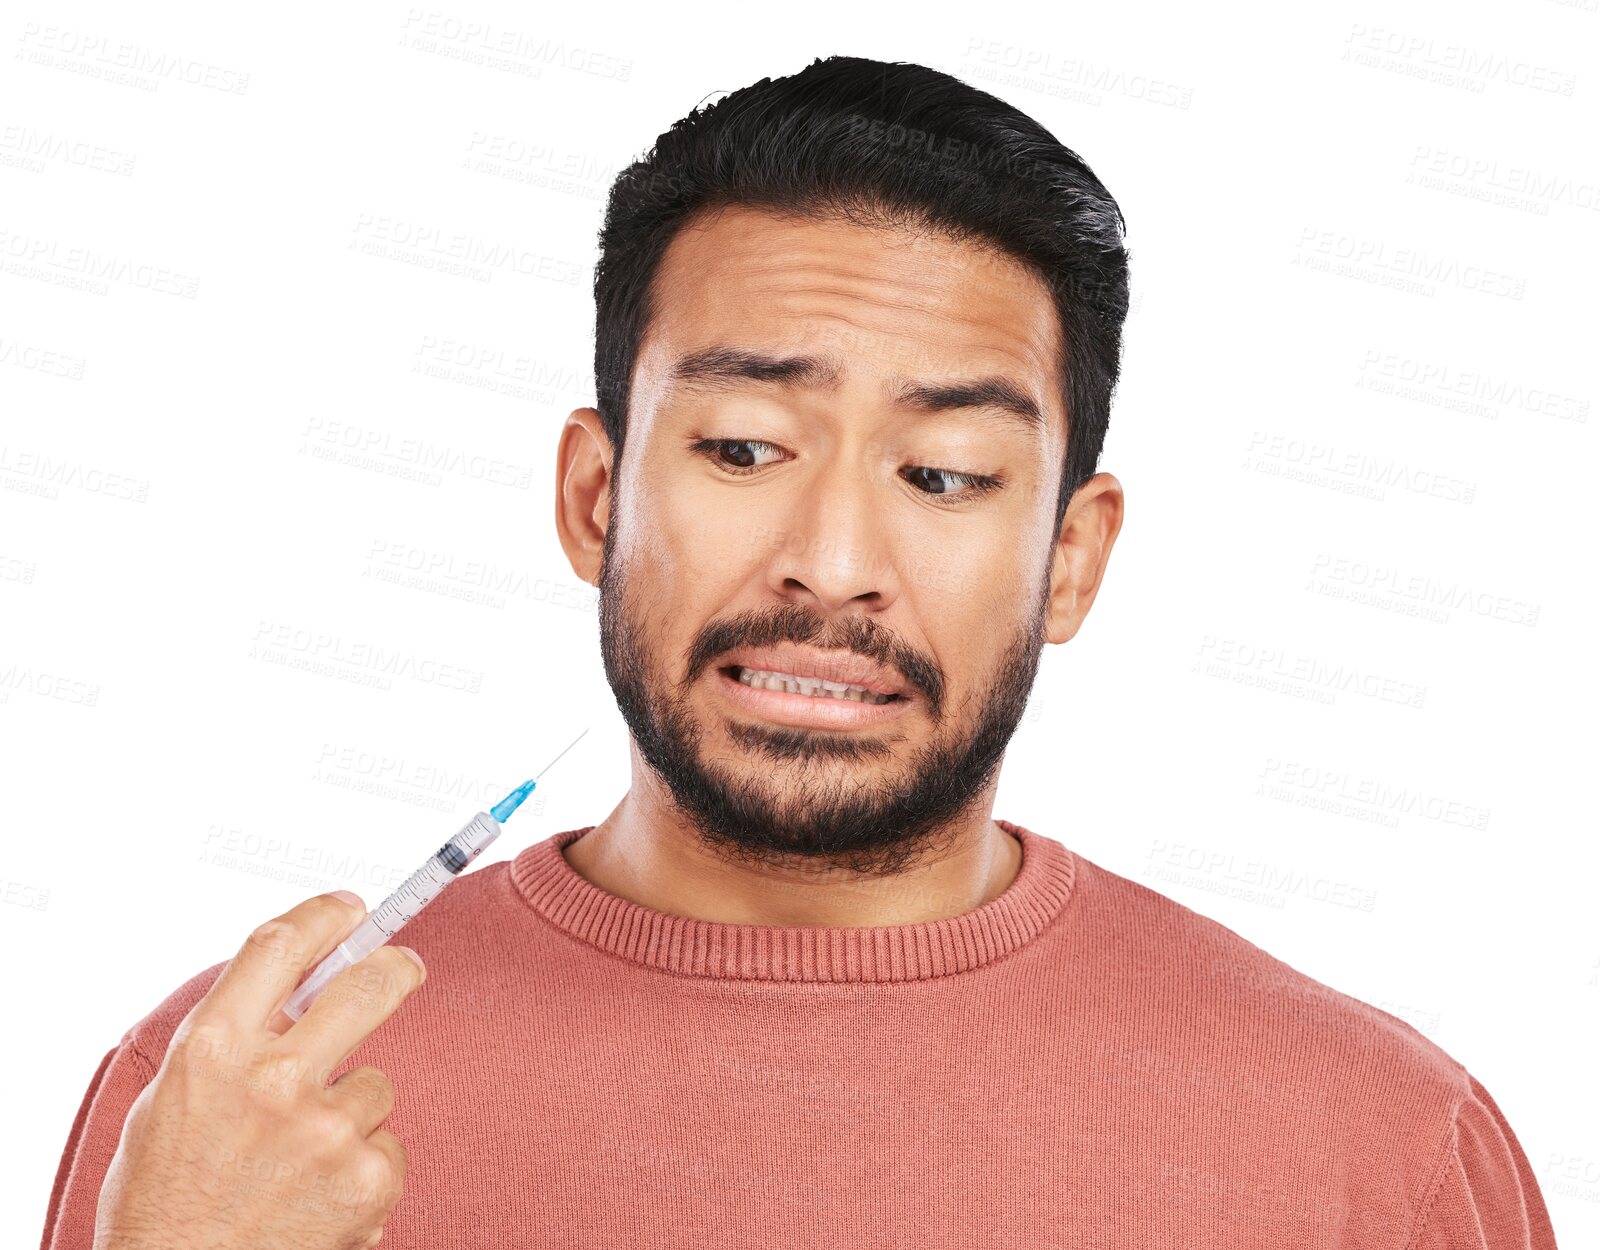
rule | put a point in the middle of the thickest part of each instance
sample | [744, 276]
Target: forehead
[884, 300]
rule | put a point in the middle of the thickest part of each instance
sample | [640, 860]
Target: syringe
[415, 893]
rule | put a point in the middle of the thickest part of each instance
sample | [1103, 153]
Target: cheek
[963, 574]
[971, 597]
[689, 554]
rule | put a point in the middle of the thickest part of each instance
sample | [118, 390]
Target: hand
[239, 1141]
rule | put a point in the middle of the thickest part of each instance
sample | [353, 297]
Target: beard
[797, 804]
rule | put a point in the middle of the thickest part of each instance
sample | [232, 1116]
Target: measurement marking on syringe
[421, 888]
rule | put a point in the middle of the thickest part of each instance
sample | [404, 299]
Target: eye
[977, 483]
[741, 456]
[732, 455]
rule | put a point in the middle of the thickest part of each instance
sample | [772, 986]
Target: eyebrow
[718, 368]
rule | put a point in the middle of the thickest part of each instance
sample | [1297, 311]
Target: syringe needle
[569, 747]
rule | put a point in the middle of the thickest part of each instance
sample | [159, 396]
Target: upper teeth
[762, 679]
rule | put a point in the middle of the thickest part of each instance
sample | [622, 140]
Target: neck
[647, 852]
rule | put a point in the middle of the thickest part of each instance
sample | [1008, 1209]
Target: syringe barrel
[366, 939]
[415, 893]
[423, 886]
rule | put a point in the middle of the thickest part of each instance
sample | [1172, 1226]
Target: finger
[390, 1146]
[354, 1003]
[366, 1094]
[277, 955]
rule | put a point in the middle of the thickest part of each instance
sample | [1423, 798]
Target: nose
[834, 552]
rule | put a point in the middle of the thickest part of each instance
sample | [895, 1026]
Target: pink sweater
[1080, 1062]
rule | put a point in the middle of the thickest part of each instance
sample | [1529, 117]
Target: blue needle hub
[503, 809]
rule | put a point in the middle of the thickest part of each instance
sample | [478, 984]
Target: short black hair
[885, 142]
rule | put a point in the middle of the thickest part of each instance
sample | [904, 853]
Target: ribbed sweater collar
[907, 952]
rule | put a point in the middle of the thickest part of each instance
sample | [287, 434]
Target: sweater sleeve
[1485, 1196]
[91, 1143]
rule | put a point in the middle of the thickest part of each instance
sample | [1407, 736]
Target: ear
[583, 491]
[1083, 549]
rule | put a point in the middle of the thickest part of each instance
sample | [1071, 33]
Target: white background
[1337, 691]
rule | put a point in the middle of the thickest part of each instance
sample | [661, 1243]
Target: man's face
[856, 519]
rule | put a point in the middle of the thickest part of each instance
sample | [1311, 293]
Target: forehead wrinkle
[798, 283]
[896, 293]
[958, 308]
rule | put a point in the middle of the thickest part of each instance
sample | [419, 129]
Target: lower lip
[809, 711]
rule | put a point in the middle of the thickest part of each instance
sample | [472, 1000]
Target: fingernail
[353, 899]
[422, 967]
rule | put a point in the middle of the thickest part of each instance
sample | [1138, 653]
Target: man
[857, 335]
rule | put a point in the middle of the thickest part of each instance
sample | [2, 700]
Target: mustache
[798, 623]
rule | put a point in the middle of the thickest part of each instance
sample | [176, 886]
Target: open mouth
[811, 687]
